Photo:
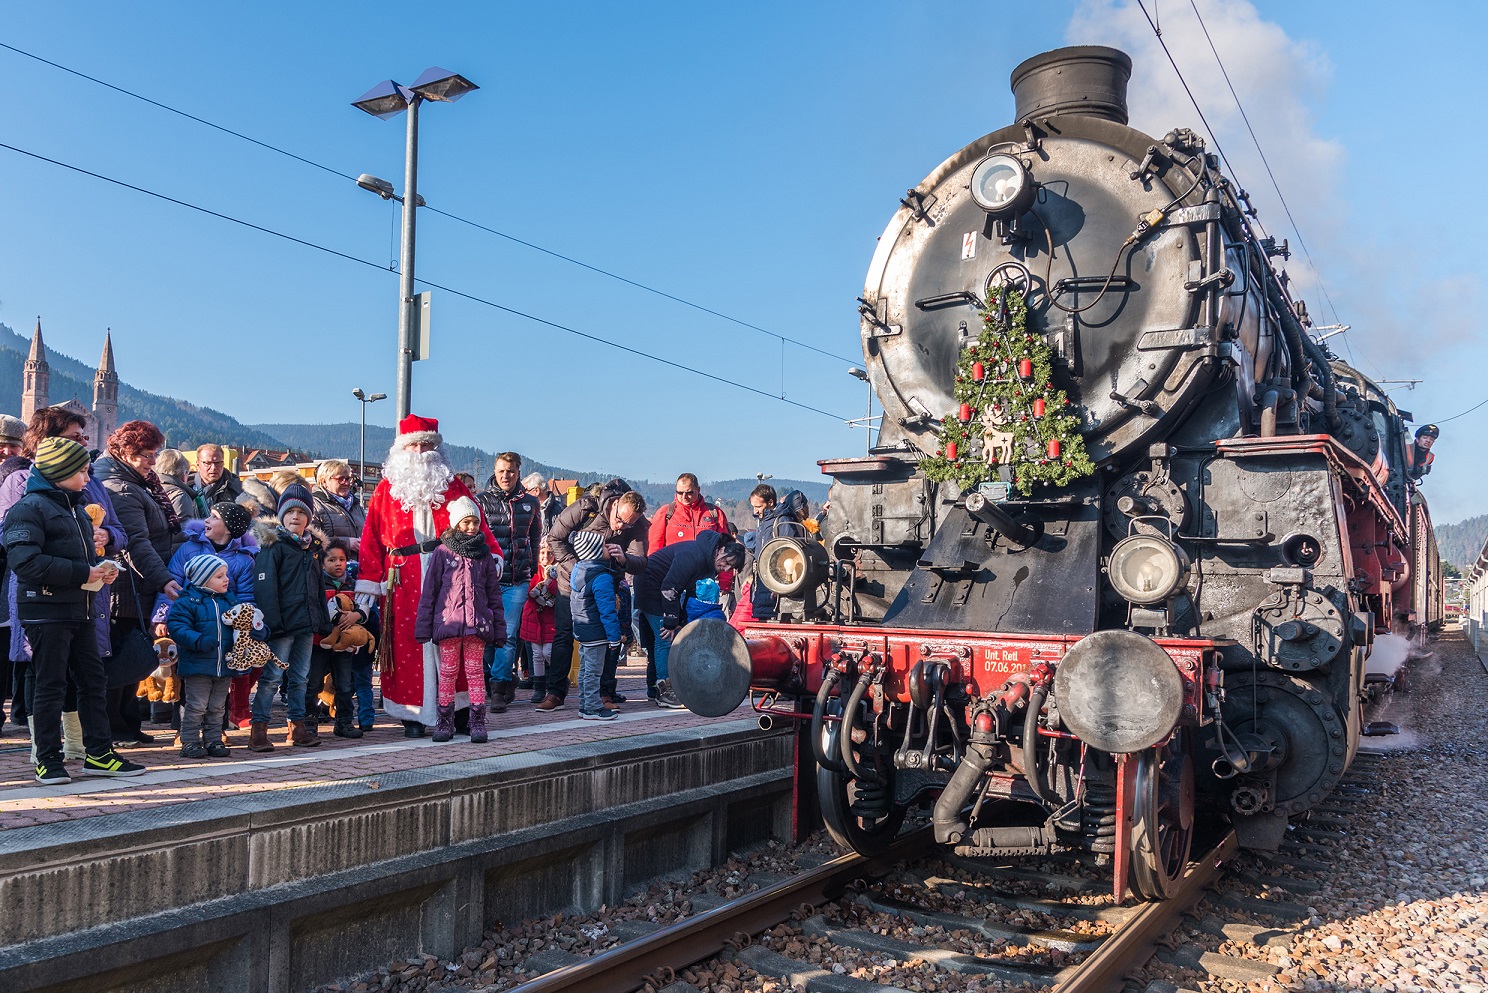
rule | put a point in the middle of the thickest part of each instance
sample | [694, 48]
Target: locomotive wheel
[836, 793]
[1163, 818]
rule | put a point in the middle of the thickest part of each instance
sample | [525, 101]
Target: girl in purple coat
[460, 611]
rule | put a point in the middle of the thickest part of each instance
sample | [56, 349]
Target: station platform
[287, 870]
[171, 779]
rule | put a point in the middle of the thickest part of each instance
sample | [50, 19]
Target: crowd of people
[145, 586]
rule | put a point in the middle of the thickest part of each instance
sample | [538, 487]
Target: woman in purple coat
[460, 611]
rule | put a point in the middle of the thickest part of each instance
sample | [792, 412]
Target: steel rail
[1105, 968]
[628, 966]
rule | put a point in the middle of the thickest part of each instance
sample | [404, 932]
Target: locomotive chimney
[1083, 79]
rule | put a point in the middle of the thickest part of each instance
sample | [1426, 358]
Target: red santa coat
[410, 671]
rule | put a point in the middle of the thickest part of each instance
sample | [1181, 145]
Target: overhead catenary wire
[1275, 184]
[474, 298]
[1463, 414]
[784, 339]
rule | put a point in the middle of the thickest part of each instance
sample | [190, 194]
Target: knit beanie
[200, 568]
[461, 508]
[60, 458]
[235, 516]
[296, 496]
[707, 590]
[586, 544]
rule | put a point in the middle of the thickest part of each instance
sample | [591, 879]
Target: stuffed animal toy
[96, 514]
[351, 637]
[247, 651]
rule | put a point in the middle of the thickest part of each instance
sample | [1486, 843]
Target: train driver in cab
[1418, 457]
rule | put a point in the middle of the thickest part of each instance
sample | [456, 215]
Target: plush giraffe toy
[247, 651]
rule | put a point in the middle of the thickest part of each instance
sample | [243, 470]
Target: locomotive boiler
[1114, 566]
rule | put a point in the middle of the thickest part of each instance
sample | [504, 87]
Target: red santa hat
[415, 428]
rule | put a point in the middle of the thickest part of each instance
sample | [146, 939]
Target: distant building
[36, 387]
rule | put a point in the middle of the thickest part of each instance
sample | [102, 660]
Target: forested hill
[185, 424]
[1460, 543]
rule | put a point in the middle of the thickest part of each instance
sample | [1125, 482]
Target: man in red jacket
[686, 517]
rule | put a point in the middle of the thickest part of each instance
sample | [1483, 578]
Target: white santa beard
[417, 478]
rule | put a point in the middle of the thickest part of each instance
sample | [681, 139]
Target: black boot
[413, 729]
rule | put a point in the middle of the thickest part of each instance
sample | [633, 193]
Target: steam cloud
[1400, 320]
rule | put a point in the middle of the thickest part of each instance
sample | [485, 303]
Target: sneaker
[602, 714]
[197, 751]
[615, 698]
[550, 702]
[666, 698]
[110, 764]
[217, 750]
[52, 773]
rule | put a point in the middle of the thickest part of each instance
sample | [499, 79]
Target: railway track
[1096, 962]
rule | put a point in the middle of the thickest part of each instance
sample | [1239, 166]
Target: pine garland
[1005, 390]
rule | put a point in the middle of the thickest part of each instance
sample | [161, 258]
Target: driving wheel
[838, 793]
[1162, 817]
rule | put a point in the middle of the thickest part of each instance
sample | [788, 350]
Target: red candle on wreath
[978, 371]
[1025, 368]
[950, 450]
[1038, 407]
[965, 412]
[1053, 448]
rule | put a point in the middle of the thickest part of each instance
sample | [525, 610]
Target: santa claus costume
[408, 512]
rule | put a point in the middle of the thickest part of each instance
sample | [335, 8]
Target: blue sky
[743, 157]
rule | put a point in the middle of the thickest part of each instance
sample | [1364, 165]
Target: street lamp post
[362, 455]
[386, 100]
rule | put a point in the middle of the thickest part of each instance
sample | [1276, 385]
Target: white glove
[366, 601]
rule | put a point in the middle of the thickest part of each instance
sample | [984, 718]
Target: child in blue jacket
[596, 622]
[705, 602]
[195, 623]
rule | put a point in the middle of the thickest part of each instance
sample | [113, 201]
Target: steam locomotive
[1101, 652]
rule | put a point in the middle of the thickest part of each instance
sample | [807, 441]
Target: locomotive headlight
[789, 567]
[1146, 569]
[1002, 186]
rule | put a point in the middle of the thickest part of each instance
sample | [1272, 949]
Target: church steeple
[36, 378]
[106, 392]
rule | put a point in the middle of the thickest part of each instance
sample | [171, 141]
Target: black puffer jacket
[289, 581]
[49, 541]
[149, 533]
[515, 518]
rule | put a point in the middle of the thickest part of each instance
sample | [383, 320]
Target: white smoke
[1389, 654]
[1277, 78]
[1403, 313]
